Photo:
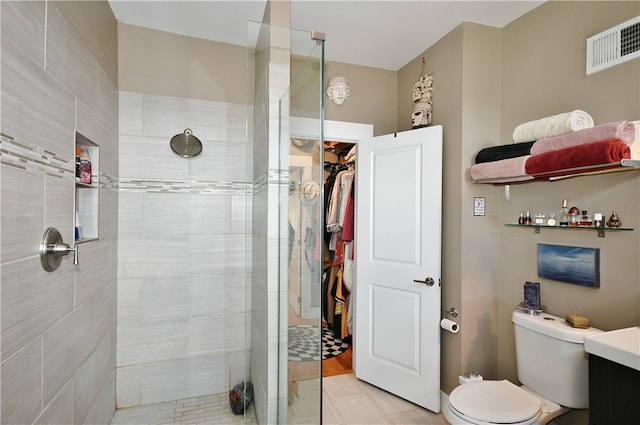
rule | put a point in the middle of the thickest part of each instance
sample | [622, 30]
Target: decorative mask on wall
[422, 100]
[338, 89]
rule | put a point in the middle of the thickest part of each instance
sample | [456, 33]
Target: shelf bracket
[537, 229]
[601, 232]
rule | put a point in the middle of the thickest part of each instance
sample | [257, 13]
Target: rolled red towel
[622, 130]
[605, 152]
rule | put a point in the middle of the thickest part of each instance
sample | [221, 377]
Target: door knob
[52, 249]
[428, 281]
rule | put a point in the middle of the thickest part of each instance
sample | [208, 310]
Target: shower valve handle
[52, 249]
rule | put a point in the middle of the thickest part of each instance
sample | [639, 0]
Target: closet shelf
[623, 165]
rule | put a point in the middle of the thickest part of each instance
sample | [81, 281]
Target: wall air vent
[614, 46]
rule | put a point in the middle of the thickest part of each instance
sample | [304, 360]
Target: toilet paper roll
[449, 325]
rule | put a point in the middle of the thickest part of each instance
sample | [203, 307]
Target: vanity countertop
[621, 346]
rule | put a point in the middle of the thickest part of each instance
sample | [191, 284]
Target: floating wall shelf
[624, 165]
[601, 230]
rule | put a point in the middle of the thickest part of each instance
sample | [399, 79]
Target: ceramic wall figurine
[338, 89]
[422, 101]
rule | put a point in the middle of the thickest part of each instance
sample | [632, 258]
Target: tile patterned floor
[349, 401]
[346, 401]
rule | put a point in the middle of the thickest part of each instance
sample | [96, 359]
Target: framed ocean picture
[571, 264]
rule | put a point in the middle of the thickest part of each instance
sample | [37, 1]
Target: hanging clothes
[339, 219]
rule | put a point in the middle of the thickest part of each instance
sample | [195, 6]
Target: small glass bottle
[597, 220]
[527, 219]
[563, 220]
[585, 219]
[521, 218]
[574, 219]
[551, 220]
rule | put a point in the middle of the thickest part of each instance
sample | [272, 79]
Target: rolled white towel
[551, 126]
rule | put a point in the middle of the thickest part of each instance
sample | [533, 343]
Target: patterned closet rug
[303, 344]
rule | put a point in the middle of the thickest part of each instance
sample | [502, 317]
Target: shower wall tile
[240, 209]
[151, 158]
[210, 214]
[32, 301]
[185, 297]
[92, 376]
[60, 410]
[152, 257]
[184, 378]
[91, 125]
[24, 22]
[220, 161]
[129, 303]
[68, 60]
[51, 85]
[130, 114]
[166, 222]
[70, 342]
[108, 215]
[22, 216]
[58, 206]
[148, 341]
[224, 254]
[21, 385]
[104, 407]
[35, 106]
[225, 293]
[108, 102]
[208, 120]
[239, 366]
[210, 334]
[182, 296]
[93, 273]
[130, 215]
[128, 389]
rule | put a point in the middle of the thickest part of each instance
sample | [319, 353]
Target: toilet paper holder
[453, 312]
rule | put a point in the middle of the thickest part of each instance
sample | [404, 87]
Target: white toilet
[553, 370]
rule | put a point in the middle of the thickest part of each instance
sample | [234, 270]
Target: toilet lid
[499, 402]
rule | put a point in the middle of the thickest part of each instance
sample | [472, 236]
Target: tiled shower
[182, 290]
[58, 329]
[157, 307]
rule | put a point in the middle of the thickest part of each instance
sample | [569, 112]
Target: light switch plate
[478, 206]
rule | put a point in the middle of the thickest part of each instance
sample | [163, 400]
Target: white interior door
[397, 316]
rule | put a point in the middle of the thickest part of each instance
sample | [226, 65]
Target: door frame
[338, 131]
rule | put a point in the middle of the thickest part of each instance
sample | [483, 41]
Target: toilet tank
[551, 359]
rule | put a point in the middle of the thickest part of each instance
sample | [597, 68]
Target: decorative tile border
[183, 186]
[35, 159]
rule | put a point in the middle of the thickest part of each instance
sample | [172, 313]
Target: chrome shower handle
[52, 249]
[61, 249]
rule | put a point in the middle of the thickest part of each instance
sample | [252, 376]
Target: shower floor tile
[203, 410]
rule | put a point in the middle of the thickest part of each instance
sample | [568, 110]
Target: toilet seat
[494, 402]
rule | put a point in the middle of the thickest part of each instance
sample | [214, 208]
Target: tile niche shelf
[600, 230]
[87, 195]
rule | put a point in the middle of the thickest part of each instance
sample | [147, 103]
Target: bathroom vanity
[614, 376]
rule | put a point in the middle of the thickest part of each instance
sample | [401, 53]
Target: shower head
[186, 144]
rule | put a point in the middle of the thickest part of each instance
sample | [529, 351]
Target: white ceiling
[380, 34]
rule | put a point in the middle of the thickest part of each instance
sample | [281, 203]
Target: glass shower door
[301, 201]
